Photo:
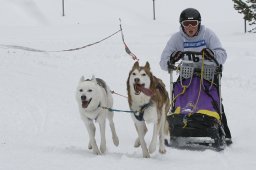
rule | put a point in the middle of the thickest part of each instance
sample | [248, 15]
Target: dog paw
[96, 151]
[103, 148]
[116, 141]
[162, 150]
[146, 155]
[89, 146]
[137, 143]
[152, 148]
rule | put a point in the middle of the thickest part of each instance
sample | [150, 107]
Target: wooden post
[245, 26]
[63, 12]
[154, 15]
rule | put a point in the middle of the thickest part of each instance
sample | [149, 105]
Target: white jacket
[181, 42]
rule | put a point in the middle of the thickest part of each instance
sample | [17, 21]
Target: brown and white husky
[149, 100]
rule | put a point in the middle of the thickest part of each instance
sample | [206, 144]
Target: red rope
[128, 51]
[113, 92]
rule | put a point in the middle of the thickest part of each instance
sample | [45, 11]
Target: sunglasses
[186, 23]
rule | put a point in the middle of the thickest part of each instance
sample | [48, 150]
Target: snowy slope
[40, 127]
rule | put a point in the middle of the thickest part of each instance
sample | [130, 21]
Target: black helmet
[190, 14]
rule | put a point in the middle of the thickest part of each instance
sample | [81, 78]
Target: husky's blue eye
[143, 74]
[89, 90]
[133, 74]
[81, 90]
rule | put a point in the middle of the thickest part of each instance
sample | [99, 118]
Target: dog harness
[140, 114]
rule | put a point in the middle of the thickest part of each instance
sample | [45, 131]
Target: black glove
[175, 56]
[208, 53]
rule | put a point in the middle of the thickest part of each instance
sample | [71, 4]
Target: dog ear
[147, 65]
[82, 79]
[135, 65]
[93, 79]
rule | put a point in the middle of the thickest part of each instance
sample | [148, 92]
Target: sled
[195, 117]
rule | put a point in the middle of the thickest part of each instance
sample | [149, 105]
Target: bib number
[192, 57]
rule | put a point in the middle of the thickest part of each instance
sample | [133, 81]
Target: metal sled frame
[186, 70]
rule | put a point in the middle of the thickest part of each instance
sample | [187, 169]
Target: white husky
[92, 95]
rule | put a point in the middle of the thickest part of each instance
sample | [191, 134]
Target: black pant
[224, 119]
[225, 124]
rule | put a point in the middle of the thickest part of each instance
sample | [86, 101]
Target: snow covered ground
[40, 127]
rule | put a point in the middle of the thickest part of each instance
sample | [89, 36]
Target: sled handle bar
[173, 67]
[198, 53]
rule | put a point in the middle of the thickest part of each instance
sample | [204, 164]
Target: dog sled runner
[196, 116]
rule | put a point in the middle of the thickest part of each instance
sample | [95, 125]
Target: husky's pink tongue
[146, 91]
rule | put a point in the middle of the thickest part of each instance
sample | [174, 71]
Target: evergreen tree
[247, 8]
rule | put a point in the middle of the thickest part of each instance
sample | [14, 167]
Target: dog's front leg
[161, 133]
[141, 132]
[91, 131]
[137, 141]
[102, 124]
[112, 127]
[152, 146]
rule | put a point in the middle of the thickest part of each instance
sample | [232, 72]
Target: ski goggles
[186, 23]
